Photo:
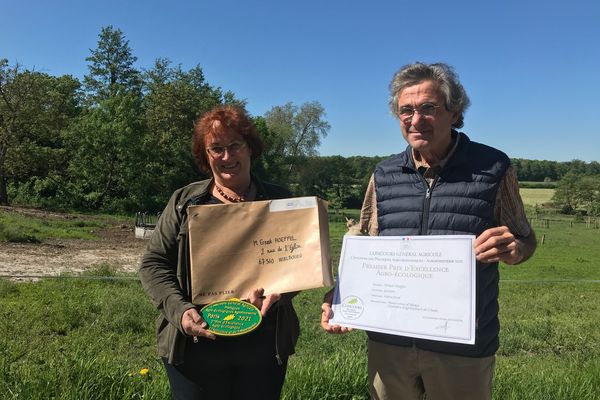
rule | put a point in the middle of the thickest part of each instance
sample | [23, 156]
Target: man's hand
[194, 325]
[498, 244]
[327, 314]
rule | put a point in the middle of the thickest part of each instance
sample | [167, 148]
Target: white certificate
[416, 286]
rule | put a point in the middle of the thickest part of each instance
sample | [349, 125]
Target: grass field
[531, 197]
[94, 338]
[34, 228]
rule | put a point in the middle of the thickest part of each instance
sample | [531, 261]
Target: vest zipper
[426, 203]
[425, 219]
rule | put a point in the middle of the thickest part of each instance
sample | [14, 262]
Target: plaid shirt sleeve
[368, 213]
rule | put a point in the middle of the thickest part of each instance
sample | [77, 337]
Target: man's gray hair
[413, 74]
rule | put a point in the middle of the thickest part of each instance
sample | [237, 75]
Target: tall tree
[111, 66]
[106, 140]
[294, 133]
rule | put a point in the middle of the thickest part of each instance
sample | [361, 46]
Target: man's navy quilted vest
[461, 201]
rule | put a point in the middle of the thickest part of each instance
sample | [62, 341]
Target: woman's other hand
[326, 315]
[194, 325]
[263, 303]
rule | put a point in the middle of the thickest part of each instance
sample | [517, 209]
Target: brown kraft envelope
[279, 245]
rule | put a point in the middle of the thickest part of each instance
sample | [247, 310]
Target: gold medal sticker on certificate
[231, 317]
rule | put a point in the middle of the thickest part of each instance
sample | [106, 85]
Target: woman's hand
[263, 303]
[327, 314]
[194, 325]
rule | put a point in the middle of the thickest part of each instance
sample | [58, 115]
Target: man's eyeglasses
[425, 110]
[219, 151]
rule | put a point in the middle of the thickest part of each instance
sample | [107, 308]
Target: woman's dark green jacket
[164, 272]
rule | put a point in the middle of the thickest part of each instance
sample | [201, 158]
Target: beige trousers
[406, 373]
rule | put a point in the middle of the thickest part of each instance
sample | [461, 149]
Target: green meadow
[531, 197]
[26, 229]
[93, 337]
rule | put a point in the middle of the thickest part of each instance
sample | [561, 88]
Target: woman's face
[229, 159]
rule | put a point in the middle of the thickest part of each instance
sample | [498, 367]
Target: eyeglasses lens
[425, 109]
[219, 151]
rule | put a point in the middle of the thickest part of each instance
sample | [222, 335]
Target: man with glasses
[442, 184]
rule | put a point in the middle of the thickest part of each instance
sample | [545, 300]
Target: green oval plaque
[231, 317]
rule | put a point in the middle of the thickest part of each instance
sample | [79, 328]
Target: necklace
[234, 199]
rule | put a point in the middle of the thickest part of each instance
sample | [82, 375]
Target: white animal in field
[353, 227]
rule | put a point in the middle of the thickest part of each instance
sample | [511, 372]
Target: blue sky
[529, 67]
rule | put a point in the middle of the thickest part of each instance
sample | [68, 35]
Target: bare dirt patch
[116, 246]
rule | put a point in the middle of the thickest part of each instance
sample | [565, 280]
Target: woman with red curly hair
[200, 365]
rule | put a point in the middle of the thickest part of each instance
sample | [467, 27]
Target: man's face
[427, 134]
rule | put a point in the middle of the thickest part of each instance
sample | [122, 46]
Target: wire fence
[543, 222]
[145, 224]
[146, 220]
[77, 277]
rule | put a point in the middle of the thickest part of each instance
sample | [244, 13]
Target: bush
[567, 209]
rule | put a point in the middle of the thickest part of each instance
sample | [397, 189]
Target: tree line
[552, 171]
[119, 140]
